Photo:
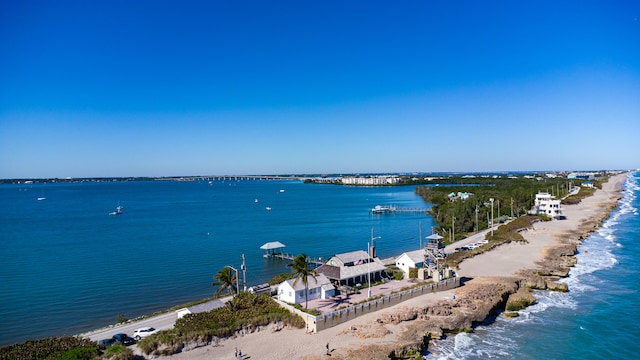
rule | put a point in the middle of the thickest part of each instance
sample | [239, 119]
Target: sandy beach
[369, 331]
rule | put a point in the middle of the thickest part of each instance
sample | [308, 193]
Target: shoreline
[408, 327]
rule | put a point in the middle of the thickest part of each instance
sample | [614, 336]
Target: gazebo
[272, 248]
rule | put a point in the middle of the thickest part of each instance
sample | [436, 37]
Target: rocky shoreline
[494, 281]
[481, 299]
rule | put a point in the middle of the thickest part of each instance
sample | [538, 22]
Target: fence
[325, 321]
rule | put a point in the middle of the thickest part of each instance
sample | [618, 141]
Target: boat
[383, 209]
[42, 198]
[118, 211]
[268, 208]
[281, 190]
[255, 200]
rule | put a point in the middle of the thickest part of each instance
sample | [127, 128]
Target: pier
[384, 209]
[273, 250]
[290, 257]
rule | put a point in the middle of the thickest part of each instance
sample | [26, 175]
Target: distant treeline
[512, 197]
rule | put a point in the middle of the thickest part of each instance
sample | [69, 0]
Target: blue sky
[160, 88]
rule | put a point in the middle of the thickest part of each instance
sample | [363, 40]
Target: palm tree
[225, 279]
[301, 271]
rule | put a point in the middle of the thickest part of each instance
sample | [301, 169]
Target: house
[293, 292]
[546, 203]
[353, 268]
[410, 259]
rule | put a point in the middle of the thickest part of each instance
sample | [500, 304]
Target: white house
[293, 292]
[546, 203]
[410, 259]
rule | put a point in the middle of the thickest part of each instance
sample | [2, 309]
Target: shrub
[48, 348]
[245, 310]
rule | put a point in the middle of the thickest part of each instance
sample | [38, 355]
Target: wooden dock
[290, 257]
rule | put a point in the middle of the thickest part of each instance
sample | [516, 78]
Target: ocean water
[67, 267]
[597, 318]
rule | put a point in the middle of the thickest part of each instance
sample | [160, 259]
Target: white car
[143, 332]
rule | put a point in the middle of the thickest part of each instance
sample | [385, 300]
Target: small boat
[118, 211]
[42, 198]
[383, 209]
[281, 190]
[268, 208]
[255, 200]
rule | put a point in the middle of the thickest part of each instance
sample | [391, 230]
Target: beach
[372, 335]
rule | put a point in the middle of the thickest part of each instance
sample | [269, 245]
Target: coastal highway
[160, 322]
[466, 241]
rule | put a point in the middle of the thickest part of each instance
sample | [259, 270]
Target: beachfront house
[353, 268]
[410, 259]
[293, 292]
[546, 203]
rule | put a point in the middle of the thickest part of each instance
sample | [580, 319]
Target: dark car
[123, 339]
[105, 343]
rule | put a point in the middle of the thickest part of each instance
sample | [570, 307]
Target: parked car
[105, 343]
[123, 339]
[143, 332]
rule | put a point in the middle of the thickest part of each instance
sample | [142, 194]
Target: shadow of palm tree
[335, 302]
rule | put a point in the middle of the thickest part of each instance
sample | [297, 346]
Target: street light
[237, 281]
[369, 260]
[491, 217]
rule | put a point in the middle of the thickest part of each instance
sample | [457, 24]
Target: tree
[226, 280]
[301, 271]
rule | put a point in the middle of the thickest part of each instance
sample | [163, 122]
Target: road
[160, 322]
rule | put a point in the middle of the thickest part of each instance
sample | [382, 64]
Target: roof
[349, 257]
[417, 256]
[272, 245]
[208, 306]
[332, 272]
[312, 283]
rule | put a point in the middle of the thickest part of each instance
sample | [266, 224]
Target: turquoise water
[596, 319]
[67, 267]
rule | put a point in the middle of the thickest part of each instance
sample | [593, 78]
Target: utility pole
[244, 273]
[491, 217]
[512, 208]
[477, 225]
[453, 228]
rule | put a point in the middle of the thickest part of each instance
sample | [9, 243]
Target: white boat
[268, 208]
[118, 211]
[383, 209]
[281, 190]
[42, 198]
[255, 200]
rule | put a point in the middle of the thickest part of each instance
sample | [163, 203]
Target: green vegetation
[518, 304]
[121, 318]
[244, 311]
[301, 272]
[512, 197]
[225, 280]
[67, 347]
[280, 278]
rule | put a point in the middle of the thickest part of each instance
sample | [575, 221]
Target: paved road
[160, 322]
[466, 241]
